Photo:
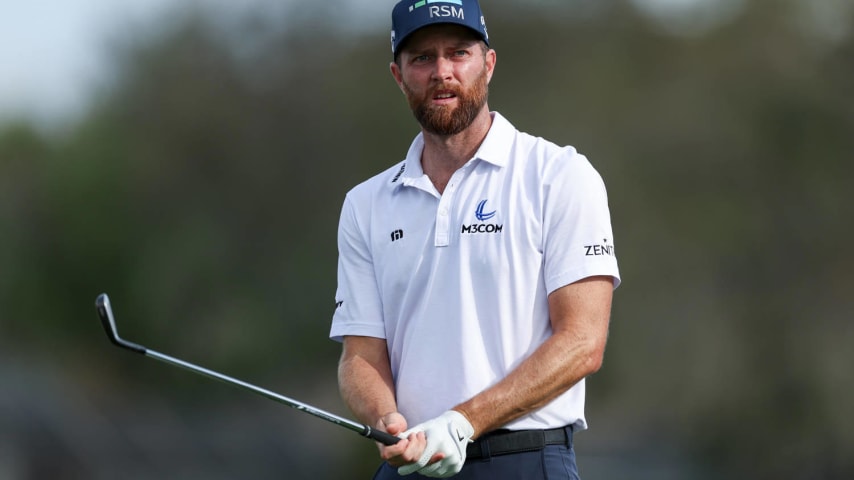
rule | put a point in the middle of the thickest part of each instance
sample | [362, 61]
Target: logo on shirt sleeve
[599, 250]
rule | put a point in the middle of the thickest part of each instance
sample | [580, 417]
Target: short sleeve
[358, 308]
[578, 238]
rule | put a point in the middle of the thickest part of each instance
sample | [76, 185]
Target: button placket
[443, 214]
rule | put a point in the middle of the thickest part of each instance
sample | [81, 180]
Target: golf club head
[105, 313]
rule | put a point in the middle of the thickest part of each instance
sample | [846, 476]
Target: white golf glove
[449, 434]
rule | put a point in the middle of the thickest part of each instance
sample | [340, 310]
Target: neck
[445, 154]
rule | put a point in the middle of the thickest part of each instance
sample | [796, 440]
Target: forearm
[579, 318]
[555, 367]
[365, 380]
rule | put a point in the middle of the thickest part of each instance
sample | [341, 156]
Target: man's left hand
[447, 437]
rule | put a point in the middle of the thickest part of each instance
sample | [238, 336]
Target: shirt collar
[494, 149]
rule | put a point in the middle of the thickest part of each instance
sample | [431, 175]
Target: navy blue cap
[410, 15]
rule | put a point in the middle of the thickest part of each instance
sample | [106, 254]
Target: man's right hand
[406, 451]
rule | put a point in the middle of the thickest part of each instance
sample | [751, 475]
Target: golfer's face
[444, 73]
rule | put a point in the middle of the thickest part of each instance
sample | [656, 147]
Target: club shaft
[105, 312]
[331, 417]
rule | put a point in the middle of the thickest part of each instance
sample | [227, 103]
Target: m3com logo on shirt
[482, 215]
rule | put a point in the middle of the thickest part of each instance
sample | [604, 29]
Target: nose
[443, 68]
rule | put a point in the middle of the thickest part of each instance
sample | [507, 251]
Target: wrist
[468, 418]
[463, 429]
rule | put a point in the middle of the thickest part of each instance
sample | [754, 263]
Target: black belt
[502, 442]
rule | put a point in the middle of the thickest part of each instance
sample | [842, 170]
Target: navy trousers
[553, 462]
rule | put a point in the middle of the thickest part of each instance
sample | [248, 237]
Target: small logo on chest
[396, 235]
[482, 215]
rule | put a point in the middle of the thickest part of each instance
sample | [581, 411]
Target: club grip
[382, 437]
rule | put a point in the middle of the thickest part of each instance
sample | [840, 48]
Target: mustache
[443, 87]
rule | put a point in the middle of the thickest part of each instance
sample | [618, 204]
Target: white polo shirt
[457, 283]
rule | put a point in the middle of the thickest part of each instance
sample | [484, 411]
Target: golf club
[105, 312]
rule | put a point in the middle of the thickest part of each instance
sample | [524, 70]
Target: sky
[53, 53]
[50, 50]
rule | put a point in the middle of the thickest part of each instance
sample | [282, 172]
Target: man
[475, 277]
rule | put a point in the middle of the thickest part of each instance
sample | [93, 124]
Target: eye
[421, 59]
[461, 53]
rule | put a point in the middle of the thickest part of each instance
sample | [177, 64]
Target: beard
[445, 120]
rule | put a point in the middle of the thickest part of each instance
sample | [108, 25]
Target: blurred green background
[201, 185]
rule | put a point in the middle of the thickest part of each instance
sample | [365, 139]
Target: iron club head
[105, 312]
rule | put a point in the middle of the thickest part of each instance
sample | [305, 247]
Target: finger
[441, 469]
[425, 456]
[407, 469]
[413, 452]
[435, 470]
[394, 429]
[409, 433]
[388, 452]
[412, 467]
[393, 423]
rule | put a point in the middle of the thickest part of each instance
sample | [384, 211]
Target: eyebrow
[461, 44]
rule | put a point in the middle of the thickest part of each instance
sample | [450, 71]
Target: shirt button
[443, 212]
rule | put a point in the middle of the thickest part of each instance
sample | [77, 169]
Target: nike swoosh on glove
[449, 434]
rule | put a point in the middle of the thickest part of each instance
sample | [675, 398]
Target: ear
[490, 64]
[397, 74]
